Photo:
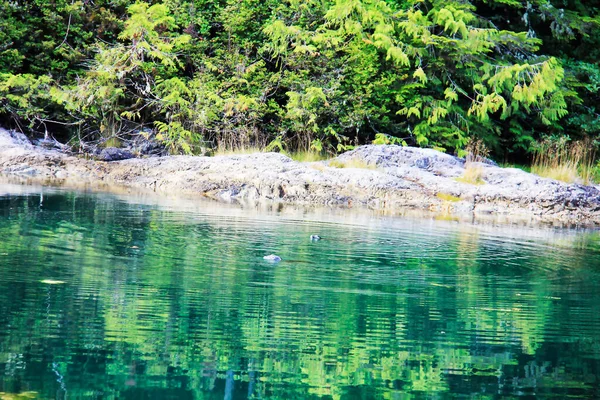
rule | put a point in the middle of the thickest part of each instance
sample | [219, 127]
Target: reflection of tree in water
[160, 304]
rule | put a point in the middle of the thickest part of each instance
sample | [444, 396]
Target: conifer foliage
[300, 75]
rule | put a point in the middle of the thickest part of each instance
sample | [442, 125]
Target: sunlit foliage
[310, 75]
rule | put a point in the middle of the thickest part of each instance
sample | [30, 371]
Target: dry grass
[447, 197]
[352, 163]
[565, 161]
[564, 172]
[446, 217]
[308, 156]
[447, 204]
[318, 166]
[476, 153]
[473, 175]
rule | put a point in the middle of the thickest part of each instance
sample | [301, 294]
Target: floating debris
[52, 282]
[315, 237]
[272, 257]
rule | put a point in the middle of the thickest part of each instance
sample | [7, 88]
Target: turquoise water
[106, 297]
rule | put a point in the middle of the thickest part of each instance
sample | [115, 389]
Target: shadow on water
[104, 296]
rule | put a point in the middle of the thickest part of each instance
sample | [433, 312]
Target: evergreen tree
[316, 74]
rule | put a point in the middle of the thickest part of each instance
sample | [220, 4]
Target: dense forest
[319, 75]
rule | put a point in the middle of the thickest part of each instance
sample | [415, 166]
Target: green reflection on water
[157, 303]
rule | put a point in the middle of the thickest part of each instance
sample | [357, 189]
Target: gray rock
[22, 170]
[46, 143]
[393, 156]
[51, 144]
[20, 138]
[150, 148]
[489, 161]
[114, 154]
[272, 258]
[145, 144]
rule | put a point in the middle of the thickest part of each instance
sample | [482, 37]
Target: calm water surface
[103, 298]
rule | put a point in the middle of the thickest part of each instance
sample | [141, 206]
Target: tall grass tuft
[565, 161]
[477, 152]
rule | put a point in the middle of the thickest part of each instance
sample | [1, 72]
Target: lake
[124, 296]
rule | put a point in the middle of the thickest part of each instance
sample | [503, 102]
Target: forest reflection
[100, 298]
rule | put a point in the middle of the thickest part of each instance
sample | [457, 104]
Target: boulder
[114, 154]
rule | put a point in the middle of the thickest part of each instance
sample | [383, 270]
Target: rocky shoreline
[389, 178]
